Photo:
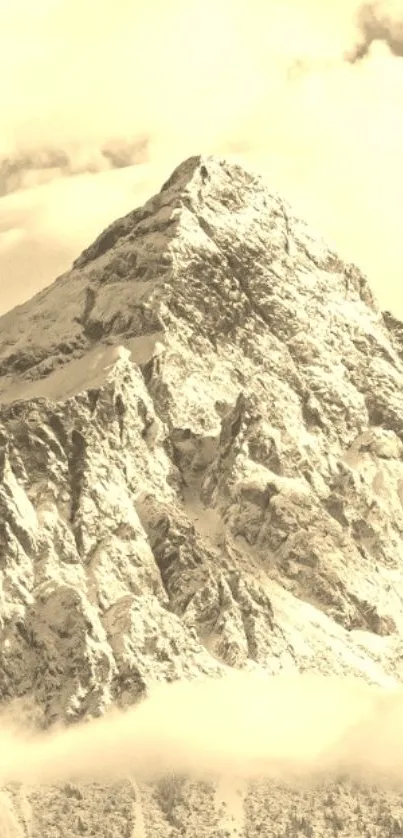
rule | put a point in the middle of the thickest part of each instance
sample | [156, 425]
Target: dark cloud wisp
[28, 168]
[375, 23]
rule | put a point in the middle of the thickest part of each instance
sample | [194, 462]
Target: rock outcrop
[201, 466]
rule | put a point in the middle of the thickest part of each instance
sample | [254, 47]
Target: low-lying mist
[243, 725]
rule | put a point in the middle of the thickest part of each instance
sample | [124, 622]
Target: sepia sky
[100, 101]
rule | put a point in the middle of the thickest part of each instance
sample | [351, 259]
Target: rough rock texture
[201, 466]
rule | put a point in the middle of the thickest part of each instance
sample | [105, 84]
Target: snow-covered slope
[201, 463]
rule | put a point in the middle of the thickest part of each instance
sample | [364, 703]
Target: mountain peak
[191, 183]
[200, 169]
[189, 169]
[214, 250]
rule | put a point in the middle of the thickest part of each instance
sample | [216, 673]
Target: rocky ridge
[201, 466]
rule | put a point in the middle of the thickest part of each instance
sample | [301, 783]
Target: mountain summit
[201, 464]
[213, 248]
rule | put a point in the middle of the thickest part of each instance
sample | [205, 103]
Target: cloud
[240, 726]
[378, 21]
[29, 169]
[86, 88]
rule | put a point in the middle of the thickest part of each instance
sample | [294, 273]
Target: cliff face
[201, 458]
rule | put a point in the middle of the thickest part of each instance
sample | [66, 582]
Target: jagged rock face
[201, 457]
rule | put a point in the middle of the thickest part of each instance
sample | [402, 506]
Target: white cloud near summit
[302, 90]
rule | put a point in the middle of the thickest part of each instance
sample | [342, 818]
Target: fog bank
[243, 726]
